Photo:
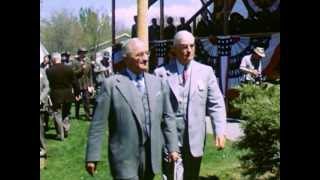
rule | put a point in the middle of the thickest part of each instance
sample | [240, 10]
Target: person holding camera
[251, 66]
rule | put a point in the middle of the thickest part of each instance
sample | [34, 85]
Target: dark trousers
[61, 118]
[86, 104]
[191, 165]
[66, 109]
[145, 169]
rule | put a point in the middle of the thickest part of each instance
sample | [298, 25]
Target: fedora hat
[66, 53]
[82, 50]
[260, 51]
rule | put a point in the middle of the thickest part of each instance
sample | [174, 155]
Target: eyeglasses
[142, 54]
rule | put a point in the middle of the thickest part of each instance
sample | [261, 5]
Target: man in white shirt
[251, 65]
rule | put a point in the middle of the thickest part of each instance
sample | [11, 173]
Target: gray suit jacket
[44, 87]
[119, 105]
[205, 98]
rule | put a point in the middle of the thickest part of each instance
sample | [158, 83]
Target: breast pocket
[202, 90]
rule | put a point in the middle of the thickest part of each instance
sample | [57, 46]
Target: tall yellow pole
[142, 27]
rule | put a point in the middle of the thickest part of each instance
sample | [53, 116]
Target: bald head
[136, 55]
[183, 36]
[132, 45]
[56, 58]
[184, 47]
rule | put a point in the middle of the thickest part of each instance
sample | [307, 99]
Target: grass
[66, 158]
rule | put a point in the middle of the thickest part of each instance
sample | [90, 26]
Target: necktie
[140, 84]
[185, 74]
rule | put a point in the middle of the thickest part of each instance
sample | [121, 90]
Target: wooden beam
[142, 26]
[199, 12]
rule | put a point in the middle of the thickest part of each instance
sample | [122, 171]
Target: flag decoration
[235, 48]
[254, 6]
[224, 54]
[151, 2]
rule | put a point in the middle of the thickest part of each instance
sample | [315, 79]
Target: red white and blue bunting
[224, 54]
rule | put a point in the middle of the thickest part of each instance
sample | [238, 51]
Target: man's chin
[144, 68]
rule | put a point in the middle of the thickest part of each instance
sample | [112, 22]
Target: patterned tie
[185, 74]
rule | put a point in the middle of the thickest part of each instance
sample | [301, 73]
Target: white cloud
[125, 15]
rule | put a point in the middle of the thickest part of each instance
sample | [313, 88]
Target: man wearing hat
[251, 65]
[82, 67]
[65, 58]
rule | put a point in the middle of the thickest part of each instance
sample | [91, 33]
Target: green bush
[260, 110]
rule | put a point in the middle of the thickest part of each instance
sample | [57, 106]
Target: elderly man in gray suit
[44, 96]
[194, 93]
[137, 109]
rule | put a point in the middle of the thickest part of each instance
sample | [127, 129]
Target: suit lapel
[195, 71]
[130, 94]
[150, 90]
[173, 78]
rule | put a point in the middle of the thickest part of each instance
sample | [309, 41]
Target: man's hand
[91, 168]
[90, 89]
[255, 73]
[220, 140]
[173, 156]
[78, 98]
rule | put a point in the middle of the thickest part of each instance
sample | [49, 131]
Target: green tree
[96, 28]
[260, 108]
[64, 31]
[61, 32]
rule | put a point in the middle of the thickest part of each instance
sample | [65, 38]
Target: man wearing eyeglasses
[194, 93]
[137, 109]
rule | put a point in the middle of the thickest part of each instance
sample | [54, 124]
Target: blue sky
[126, 9]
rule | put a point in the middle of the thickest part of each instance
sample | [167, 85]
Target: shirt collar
[132, 75]
[180, 67]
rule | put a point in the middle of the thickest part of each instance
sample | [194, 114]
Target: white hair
[182, 35]
[56, 57]
[126, 49]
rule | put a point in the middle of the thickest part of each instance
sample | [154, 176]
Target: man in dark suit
[135, 105]
[83, 71]
[194, 94]
[154, 30]
[170, 30]
[134, 27]
[62, 80]
[183, 25]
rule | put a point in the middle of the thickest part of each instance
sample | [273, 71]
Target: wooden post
[225, 17]
[142, 26]
[113, 22]
[161, 19]
[194, 25]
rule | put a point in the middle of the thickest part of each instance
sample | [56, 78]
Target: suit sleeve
[45, 91]
[169, 124]
[98, 125]
[215, 105]
[78, 71]
[74, 82]
[90, 75]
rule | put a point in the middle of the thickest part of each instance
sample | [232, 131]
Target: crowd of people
[264, 21]
[66, 79]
